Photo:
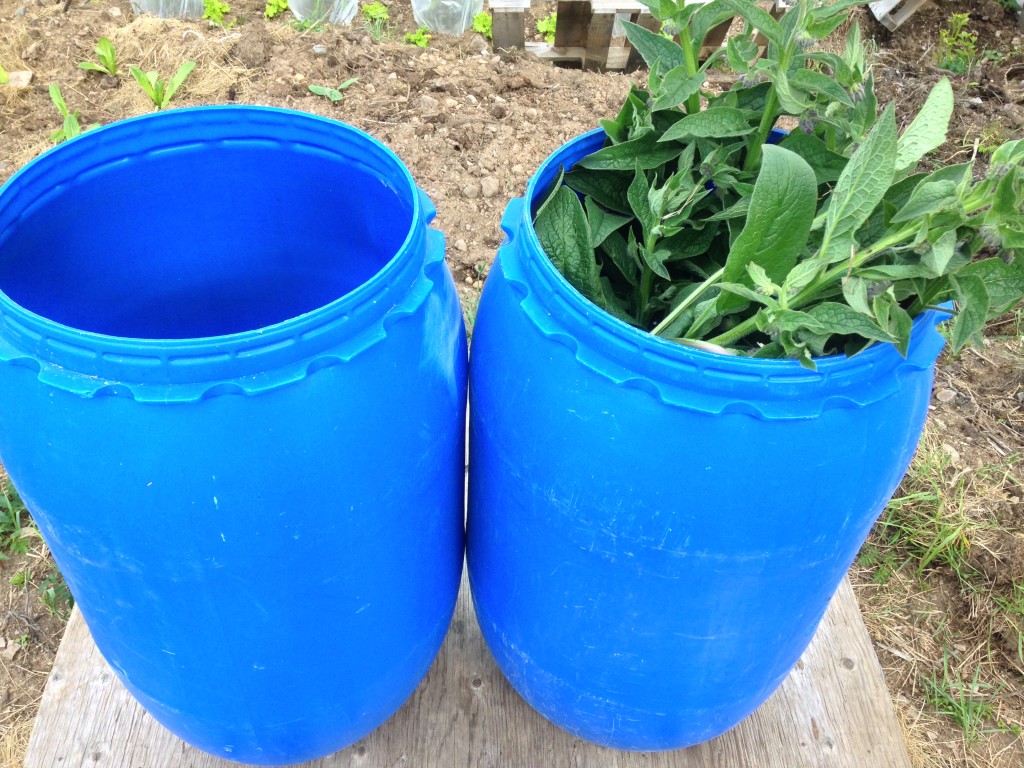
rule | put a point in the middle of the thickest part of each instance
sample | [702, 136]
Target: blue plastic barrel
[655, 531]
[232, 379]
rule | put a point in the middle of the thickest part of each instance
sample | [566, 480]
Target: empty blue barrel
[655, 531]
[232, 379]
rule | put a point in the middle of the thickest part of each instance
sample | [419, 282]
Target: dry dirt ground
[941, 582]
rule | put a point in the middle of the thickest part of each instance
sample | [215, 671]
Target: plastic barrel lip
[771, 388]
[86, 361]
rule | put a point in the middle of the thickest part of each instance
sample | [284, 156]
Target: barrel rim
[630, 355]
[28, 335]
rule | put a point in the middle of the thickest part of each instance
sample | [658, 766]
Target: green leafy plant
[55, 596]
[334, 94]
[70, 126]
[483, 24]
[275, 8]
[4, 77]
[15, 527]
[161, 91]
[420, 38]
[215, 10]
[968, 702]
[107, 56]
[546, 27]
[957, 44]
[376, 19]
[690, 225]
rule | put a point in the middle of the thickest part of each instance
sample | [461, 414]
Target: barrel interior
[202, 239]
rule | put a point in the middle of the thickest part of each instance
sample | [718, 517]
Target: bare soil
[472, 125]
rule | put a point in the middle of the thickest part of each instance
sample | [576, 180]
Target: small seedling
[274, 8]
[546, 27]
[70, 127]
[957, 44]
[310, 25]
[483, 24]
[376, 19]
[107, 56]
[420, 38]
[16, 527]
[215, 10]
[161, 91]
[334, 94]
[3, 76]
[55, 596]
[967, 702]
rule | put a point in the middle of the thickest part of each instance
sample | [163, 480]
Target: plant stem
[690, 58]
[768, 118]
[688, 302]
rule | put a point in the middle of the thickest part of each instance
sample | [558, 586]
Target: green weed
[55, 596]
[107, 56]
[70, 126]
[16, 527]
[926, 517]
[957, 44]
[4, 77]
[420, 38]
[376, 20]
[483, 24]
[215, 10]
[161, 91]
[275, 8]
[334, 94]
[968, 702]
[546, 27]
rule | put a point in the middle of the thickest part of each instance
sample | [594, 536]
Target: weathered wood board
[832, 711]
[892, 13]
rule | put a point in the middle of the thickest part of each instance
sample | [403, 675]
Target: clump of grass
[967, 701]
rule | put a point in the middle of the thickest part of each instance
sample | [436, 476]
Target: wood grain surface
[833, 710]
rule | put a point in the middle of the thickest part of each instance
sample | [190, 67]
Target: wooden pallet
[833, 710]
[892, 13]
[585, 32]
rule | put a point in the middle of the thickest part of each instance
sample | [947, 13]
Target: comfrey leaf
[649, 151]
[865, 179]
[602, 223]
[778, 222]
[928, 130]
[677, 86]
[838, 318]
[1004, 283]
[973, 302]
[715, 122]
[562, 229]
[929, 197]
[654, 48]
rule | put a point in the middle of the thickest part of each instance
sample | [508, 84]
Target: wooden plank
[833, 710]
[598, 39]
[573, 23]
[507, 18]
[892, 13]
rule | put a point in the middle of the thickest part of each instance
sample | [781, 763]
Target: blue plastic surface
[655, 531]
[232, 384]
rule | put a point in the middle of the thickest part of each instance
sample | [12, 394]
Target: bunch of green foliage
[161, 91]
[334, 94]
[70, 126]
[274, 8]
[107, 56]
[215, 10]
[957, 44]
[689, 225]
[483, 24]
[14, 523]
[420, 38]
[546, 27]
[376, 19]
